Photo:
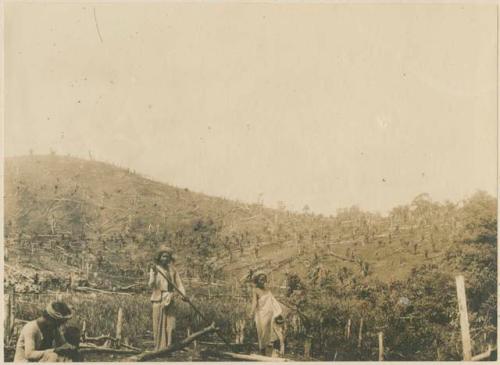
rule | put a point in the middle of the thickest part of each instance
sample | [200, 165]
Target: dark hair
[72, 335]
[159, 254]
[256, 278]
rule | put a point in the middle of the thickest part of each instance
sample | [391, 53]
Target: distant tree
[306, 209]
[479, 215]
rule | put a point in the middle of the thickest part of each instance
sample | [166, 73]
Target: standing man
[162, 278]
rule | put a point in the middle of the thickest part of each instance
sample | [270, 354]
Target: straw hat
[165, 249]
[55, 311]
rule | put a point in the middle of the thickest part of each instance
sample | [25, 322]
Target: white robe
[268, 308]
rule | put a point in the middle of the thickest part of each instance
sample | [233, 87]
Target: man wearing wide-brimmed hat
[41, 340]
[162, 278]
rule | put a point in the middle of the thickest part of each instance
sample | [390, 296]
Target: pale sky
[329, 105]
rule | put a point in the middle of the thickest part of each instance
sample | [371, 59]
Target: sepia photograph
[249, 181]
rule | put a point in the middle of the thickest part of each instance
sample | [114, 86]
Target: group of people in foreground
[48, 339]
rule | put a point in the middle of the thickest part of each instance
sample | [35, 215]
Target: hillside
[65, 215]
[93, 227]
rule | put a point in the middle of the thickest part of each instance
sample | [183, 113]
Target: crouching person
[41, 340]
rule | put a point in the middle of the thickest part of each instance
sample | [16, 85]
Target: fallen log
[99, 339]
[484, 355]
[132, 348]
[254, 357]
[145, 356]
[340, 257]
[128, 287]
[86, 289]
[85, 349]
[210, 343]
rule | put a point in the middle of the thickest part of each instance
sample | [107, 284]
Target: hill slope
[65, 214]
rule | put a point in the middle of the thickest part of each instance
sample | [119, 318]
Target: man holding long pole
[165, 282]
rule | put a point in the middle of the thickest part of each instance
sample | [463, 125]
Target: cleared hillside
[64, 214]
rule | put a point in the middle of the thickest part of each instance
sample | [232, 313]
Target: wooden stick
[86, 288]
[341, 257]
[195, 344]
[381, 346]
[464, 318]
[307, 348]
[12, 310]
[126, 345]
[254, 357]
[84, 330]
[105, 350]
[360, 335]
[348, 329]
[145, 356]
[483, 355]
[7, 319]
[119, 326]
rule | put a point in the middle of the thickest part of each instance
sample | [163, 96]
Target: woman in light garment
[161, 277]
[268, 315]
[40, 340]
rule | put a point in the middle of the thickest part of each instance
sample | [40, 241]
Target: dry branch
[86, 288]
[254, 357]
[340, 257]
[145, 356]
[105, 350]
[484, 355]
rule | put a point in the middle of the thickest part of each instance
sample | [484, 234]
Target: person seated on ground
[268, 313]
[40, 340]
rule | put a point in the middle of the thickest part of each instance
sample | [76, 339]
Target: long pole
[12, 310]
[464, 318]
[380, 346]
[360, 336]
[7, 319]
[217, 331]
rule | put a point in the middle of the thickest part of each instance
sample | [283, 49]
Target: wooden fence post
[307, 348]
[84, 330]
[242, 331]
[119, 326]
[360, 335]
[12, 310]
[464, 318]
[381, 346]
[7, 319]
